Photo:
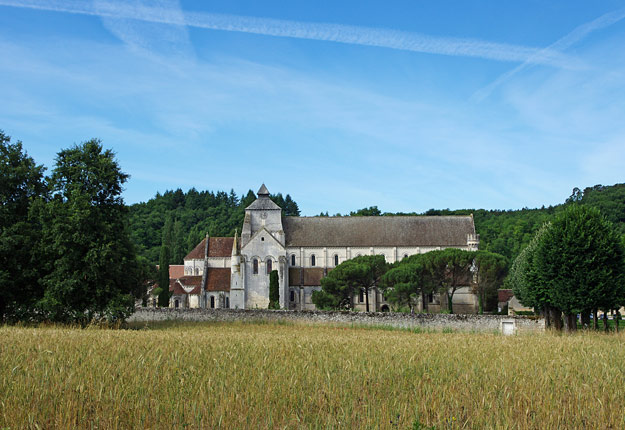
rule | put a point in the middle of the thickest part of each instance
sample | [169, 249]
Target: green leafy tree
[370, 211]
[580, 260]
[163, 277]
[359, 274]
[21, 183]
[526, 284]
[404, 284]
[490, 270]
[451, 269]
[90, 263]
[274, 290]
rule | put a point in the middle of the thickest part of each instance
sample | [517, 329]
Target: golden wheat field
[249, 376]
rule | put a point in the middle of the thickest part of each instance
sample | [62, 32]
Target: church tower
[261, 251]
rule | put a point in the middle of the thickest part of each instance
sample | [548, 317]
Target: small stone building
[234, 272]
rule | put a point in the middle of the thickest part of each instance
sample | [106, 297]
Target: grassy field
[252, 376]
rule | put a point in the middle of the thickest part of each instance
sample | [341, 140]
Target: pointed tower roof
[235, 243]
[263, 191]
[263, 202]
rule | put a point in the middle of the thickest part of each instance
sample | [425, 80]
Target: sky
[407, 105]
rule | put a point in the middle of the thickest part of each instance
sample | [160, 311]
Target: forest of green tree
[182, 219]
[189, 216]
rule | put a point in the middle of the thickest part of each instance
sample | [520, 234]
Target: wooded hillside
[187, 217]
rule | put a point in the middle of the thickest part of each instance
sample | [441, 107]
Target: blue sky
[407, 105]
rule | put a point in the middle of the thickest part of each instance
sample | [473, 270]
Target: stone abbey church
[226, 272]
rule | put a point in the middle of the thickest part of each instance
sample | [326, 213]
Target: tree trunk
[547, 314]
[480, 299]
[556, 318]
[423, 304]
[586, 319]
[450, 301]
[570, 322]
[595, 320]
[617, 318]
[367, 298]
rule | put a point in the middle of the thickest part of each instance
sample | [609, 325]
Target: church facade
[234, 272]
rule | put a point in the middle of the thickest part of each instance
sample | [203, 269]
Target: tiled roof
[217, 247]
[218, 280]
[378, 231]
[504, 295]
[177, 289]
[176, 271]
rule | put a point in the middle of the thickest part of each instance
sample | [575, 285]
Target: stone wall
[459, 322]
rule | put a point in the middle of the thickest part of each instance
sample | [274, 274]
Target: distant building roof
[263, 202]
[217, 247]
[218, 280]
[176, 271]
[263, 191]
[378, 231]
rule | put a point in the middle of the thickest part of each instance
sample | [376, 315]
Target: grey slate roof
[263, 191]
[263, 203]
[378, 231]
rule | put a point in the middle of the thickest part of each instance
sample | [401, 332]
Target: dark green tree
[580, 260]
[163, 276]
[527, 286]
[489, 271]
[370, 211]
[451, 268]
[90, 263]
[178, 247]
[21, 183]
[359, 274]
[274, 291]
[407, 282]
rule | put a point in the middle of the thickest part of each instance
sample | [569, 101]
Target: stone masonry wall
[459, 322]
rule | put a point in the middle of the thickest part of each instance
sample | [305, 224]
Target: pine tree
[274, 291]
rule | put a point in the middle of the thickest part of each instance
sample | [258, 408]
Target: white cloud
[348, 34]
[577, 35]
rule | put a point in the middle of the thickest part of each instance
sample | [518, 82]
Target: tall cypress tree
[274, 290]
[163, 277]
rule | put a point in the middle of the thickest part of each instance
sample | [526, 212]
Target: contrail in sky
[348, 34]
[565, 42]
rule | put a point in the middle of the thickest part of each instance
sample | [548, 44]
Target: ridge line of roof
[378, 216]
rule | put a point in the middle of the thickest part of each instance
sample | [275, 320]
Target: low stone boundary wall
[460, 322]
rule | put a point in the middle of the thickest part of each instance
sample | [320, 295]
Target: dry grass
[298, 376]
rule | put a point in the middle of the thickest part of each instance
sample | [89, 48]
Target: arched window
[336, 260]
[227, 302]
[405, 255]
[292, 296]
[176, 304]
[269, 266]
[212, 302]
[255, 266]
[313, 260]
[292, 259]
[197, 270]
